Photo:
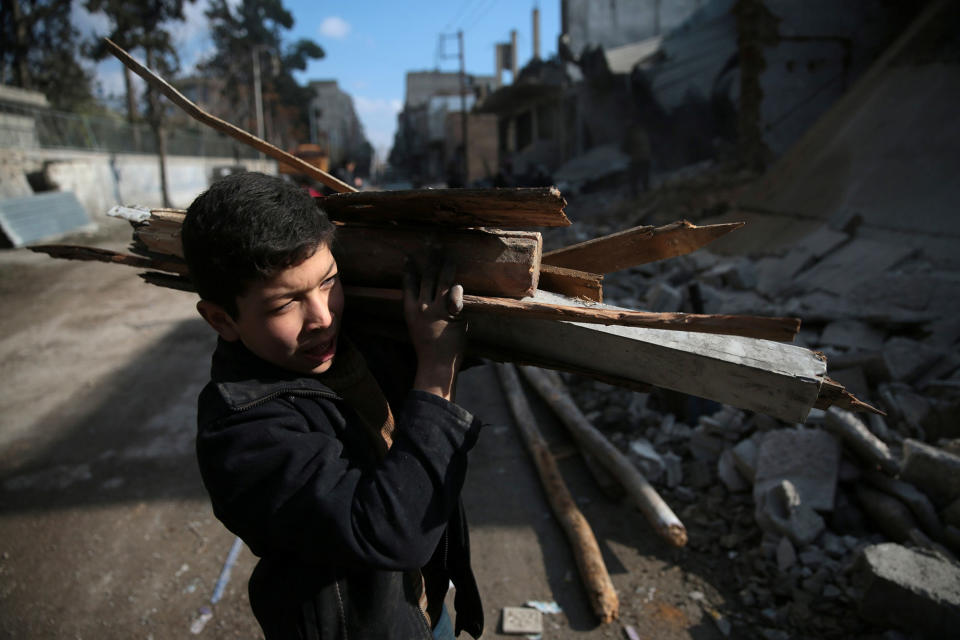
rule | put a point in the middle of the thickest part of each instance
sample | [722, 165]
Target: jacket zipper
[343, 614]
[304, 393]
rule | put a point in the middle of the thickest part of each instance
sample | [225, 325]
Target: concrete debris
[914, 591]
[705, 446]
[786, 555]
[647, 459]
[728, 474]
[852, 334]
[662, 297]
[673, 468]
[745, 457]
[951, 514]
[907, 359]
[809, 459]
[933, 470]
[913, 498]
[739, 274]
[780, 509]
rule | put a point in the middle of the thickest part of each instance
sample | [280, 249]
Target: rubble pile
[847, 512]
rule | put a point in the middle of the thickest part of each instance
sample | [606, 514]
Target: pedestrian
[336, 456]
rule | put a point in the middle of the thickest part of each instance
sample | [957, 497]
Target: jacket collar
[243, 378]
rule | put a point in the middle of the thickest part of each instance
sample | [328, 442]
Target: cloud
[334, 27]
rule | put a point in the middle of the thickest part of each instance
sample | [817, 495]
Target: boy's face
[290, 320]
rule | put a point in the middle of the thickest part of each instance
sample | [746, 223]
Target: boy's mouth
[321, 352]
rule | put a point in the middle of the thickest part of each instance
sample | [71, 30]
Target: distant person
[347, 174]
[338, 457]
[636, 144]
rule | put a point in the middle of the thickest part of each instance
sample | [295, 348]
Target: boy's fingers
[455, 300]
[428, 284]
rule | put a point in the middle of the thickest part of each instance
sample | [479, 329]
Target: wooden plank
[571, 283]
[778, 379]
[576, 310]
[73, 252]
[586, 551]
[504, 208]
[488, 261]
[636, 246]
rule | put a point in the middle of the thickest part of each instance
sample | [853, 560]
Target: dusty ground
[105, 531]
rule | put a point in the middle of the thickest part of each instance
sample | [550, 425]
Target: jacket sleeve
[280, 479]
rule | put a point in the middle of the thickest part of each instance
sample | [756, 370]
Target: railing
[27, 128]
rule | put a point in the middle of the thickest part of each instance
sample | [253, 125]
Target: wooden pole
[591, 441]
[220, 125]
[586, 551]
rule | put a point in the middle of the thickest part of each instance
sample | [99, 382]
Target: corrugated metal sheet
[40, 216]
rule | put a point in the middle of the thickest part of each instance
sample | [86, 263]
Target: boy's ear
[217, 317]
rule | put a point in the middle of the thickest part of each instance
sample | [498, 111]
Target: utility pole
[463, 105]
[257, 94]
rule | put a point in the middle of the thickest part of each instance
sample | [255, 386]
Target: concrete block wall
[102, 180]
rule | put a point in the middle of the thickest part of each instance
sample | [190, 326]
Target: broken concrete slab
[907, 359]
[852, 334]
[914, 591]
[808, 458]
[728, 474]
[822, 241]
[918, 503]
[780, 509]
[661, 297]
[935, 471]
[745, 457]
[845, 269]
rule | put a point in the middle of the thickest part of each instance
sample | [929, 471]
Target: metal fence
[26, 128]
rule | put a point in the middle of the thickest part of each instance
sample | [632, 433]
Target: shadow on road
[128, 439]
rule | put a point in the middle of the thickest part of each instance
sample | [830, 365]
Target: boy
[313, 446]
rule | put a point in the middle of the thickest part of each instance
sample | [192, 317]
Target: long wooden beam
[586, 551]
[571, 283]
[535, 308]
[233, 131]
[506, 208]
[637, 246]
[778, 379]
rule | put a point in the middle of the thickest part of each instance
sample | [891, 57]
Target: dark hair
[248, 227]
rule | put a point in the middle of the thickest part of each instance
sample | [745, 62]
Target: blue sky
[371, 44]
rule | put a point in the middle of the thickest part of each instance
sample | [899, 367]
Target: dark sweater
[290, 470]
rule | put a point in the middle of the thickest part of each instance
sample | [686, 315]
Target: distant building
[589, 23]
[334, 123]
[420, 148]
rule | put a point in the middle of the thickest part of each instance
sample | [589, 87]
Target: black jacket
[290, 470]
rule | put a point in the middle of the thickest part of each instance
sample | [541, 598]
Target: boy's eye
[330, 281]
[282, 307]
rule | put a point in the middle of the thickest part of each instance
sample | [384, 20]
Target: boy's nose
[319, 315]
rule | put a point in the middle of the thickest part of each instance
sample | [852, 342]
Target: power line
[479, 15]
[459, 14]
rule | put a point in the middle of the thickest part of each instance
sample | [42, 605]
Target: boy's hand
[432, 305]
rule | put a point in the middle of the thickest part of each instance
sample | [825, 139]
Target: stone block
[661, 297]
[935, 471]
[647, 459]
[808, 458]
[852, 334]
[522, 620]
[779, 509]
[728, 474]
[914, 591]
[907, 359]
